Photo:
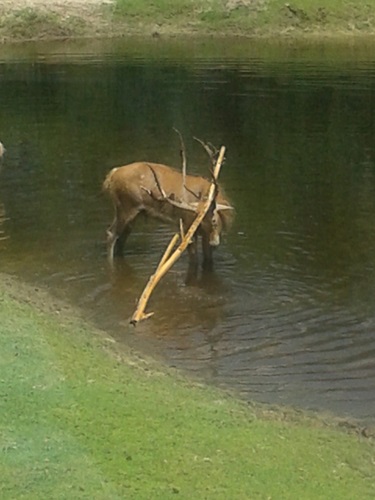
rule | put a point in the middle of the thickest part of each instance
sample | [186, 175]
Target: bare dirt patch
[48, 19]
[60, 5]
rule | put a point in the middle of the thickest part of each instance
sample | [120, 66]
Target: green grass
[82, 418]
[264, 18]
[30, 23]
[255, 17]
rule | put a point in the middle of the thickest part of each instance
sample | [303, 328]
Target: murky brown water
[289, 315]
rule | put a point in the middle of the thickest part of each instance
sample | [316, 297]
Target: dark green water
[289, 315]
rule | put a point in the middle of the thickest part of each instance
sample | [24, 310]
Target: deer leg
[111, 241]
[207, 249]
[118, 249]
[192, 273]
[118, 232]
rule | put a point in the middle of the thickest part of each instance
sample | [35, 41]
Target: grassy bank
[82, 418]
[48, 19]
[251, 17]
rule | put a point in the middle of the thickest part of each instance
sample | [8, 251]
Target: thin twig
[157, 181]
[210, 149]
[183, 158]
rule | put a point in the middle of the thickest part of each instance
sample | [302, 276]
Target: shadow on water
[288, 316]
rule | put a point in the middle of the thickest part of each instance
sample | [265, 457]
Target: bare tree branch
[169, 258]
[157, 182]
[210, 149]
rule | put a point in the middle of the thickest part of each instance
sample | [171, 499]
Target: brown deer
[168, 195]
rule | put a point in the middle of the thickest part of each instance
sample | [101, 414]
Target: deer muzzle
[215, 239]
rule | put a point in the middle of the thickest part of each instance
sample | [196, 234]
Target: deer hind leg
[118, 232]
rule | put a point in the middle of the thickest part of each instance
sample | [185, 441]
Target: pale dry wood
[169, 258]
[182, 231]
[168, 251]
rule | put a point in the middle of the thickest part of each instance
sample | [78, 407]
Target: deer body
[165, 194]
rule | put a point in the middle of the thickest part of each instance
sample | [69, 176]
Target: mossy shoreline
[83, 417]
[53, 19]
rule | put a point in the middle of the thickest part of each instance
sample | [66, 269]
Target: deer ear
[219, 206]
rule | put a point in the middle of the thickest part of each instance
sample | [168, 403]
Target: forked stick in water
[170, 256]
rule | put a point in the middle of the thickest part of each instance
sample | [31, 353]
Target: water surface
[289, 315]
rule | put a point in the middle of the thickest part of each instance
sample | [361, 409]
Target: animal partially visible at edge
[163, 193]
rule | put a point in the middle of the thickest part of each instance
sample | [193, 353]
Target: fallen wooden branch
[169, 258]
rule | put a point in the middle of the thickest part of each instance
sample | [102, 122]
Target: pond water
[289, 314]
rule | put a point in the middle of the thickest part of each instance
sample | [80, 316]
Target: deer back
[157, 189]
